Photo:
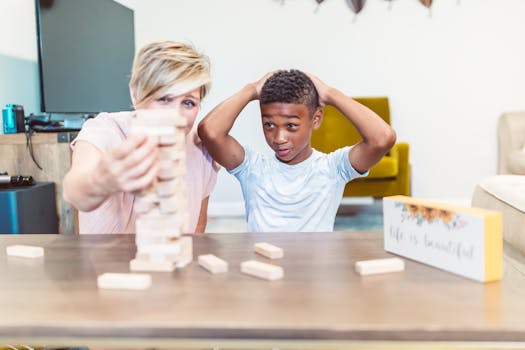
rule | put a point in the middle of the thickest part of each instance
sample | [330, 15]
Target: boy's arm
[378, 136]
[214, 129]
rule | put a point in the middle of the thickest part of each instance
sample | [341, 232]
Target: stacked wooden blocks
[162, 209]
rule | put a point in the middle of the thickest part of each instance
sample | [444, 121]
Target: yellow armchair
[389, 177]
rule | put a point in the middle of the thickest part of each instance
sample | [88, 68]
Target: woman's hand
[131, 166]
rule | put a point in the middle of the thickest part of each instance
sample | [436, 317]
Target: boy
[298, 189]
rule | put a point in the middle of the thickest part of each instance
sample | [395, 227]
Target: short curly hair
[292, 86]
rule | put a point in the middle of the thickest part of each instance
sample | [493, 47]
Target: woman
[109, 165]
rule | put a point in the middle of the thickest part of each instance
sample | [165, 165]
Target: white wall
[18, 56]
[18, 29]
[448, 76]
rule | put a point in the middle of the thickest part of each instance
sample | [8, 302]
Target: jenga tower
[162, 209]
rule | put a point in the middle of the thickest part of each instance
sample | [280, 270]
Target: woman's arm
[94, 175]
[203, 216]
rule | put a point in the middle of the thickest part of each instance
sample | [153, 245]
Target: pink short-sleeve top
[116, 215]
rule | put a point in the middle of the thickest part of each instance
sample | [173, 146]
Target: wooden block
[173, 247]
[144, 203]
[184, 262]
[25, 251]
[174, 152]
[176, 139]
[131, 281]
[186, 255]
[150, 118]
[173, 204]
[268, 250]
[170, 169]
[377, 266]
[157, 224]
[148, 265]
[262, 270]
[167, 139]
[212, 263]
[144, 239]
[167, 188]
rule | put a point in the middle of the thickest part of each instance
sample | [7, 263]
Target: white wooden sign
[463, 240]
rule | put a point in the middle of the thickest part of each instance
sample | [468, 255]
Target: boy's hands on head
[129, 167]
[322, 89]
[260, 83]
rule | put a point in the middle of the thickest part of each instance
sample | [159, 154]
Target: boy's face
[288, 128]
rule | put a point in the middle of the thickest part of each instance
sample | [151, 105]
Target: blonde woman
[109, 164]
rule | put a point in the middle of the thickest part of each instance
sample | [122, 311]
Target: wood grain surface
[320, 297]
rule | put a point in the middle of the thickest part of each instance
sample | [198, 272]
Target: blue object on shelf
[13, 119]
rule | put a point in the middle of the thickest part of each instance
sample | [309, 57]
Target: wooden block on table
[25, 251]
[173, 247]
[145, 239]
[176, 139]
[186, 255]
[165, 124]
[157, 224]
[131, 281]
[212, 263]
[151, 118]
[144, 203]
[168, 188]
[262, 270]
[173, 204]
[377, 266]
[268, 250]
[172, 153]
[170, 169]
[148, 265]
[167, 139]
[184, 261]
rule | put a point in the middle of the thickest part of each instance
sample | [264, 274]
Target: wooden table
[320, 304]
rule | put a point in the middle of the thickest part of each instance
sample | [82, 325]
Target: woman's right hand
[131, 166]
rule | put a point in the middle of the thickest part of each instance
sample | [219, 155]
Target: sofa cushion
[507, 188]
[517, 162]
[506, 194]
[386, 168]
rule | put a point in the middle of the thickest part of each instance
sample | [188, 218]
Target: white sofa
[506, 192]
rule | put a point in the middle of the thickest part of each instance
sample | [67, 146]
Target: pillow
[517, 162]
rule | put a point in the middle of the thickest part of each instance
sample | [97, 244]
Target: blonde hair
[161, 65]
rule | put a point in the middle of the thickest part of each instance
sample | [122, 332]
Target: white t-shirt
[294, 198]
[116, 214]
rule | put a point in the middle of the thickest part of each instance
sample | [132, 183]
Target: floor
[350, 217]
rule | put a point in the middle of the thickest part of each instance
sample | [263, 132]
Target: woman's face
[187, 104]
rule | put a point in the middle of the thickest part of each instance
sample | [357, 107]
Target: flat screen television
[85, 54]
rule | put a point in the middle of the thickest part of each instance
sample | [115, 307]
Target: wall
[448, 76]
[18, 55]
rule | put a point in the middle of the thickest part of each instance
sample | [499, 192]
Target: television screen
[85, 52]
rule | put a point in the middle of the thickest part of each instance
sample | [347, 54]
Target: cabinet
[52, 152]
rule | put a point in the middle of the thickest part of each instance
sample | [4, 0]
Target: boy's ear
[318, 118]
